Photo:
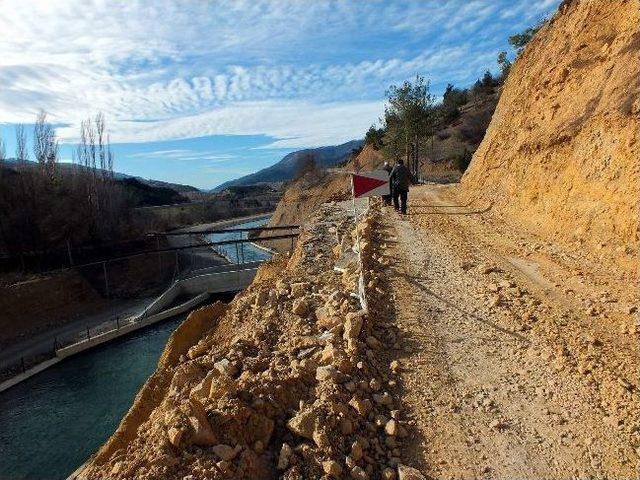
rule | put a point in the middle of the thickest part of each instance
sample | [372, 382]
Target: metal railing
[173, 264]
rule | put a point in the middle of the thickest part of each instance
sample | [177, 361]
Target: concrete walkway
[42, 343]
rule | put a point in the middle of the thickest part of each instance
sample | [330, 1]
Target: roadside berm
[293, 380]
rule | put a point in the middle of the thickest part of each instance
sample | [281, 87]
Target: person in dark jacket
[387, 198]
[400, 180]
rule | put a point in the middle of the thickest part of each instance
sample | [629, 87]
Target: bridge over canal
[189, 288]
[195, 286]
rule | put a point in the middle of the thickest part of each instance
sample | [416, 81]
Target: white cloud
[304, 72]
[185, 155]
[296, 123]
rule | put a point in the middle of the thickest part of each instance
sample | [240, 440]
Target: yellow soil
[561, 153]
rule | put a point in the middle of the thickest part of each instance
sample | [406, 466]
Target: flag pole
[355, 217]
[361, 291]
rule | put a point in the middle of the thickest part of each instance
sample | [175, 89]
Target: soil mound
[561, 152]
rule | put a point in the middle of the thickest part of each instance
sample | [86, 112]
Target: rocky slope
[287, 382]
[561, 153]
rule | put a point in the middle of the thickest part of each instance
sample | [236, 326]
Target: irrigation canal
[52, 422]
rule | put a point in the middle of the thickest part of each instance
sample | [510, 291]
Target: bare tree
[305, 164]
[95, 175]
[3, 203]
[3, 150]
[102, 154]
[21, 144]
[37, 215]
[109, 158]
[45, 145]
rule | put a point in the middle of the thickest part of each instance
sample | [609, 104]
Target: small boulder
[320, 438]
[226, 452]
[358, 473]
[301, 306]
[409, 473]
[299, 289]
[328, 372]
[332, 468]
[284, 457]
[389, 474]
[362, 406]
[326, 317]
[346, 426]
[395, 366]
[221, 386]
[353, 324]
[304, 423]
[391, 428]
[175, 436]
[201, 390]
[202, 433]
[225, 367]
[375, 385]
[384, 399]
[356, 451]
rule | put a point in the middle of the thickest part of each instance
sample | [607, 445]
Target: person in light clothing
[387, 198]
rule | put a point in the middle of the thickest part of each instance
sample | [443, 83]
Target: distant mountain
[67, 167]
[142, 192]
[285, 169]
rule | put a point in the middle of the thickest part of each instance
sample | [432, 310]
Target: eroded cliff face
[286, 382]
[561, 154]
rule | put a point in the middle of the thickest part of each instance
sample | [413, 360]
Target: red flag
[369, 184]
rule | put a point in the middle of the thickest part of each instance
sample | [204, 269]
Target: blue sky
[201, 92]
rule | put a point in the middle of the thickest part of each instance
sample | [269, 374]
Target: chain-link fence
[146, 275]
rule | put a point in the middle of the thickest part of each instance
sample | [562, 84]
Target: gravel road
[521, 357]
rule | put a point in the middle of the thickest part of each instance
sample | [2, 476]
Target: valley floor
[520, 358]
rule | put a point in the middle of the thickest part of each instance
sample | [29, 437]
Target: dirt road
[520, 358]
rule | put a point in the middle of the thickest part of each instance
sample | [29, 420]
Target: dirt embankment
[293, 381]
[561, 153]
[39, 304]
[304, 195]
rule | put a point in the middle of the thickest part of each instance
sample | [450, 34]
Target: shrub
[462, 160]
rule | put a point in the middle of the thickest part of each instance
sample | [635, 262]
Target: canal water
[241, 252]
[52, 423]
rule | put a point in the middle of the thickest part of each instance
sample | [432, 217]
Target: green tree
[410, 118]
[505, 65]
[374, 137]
[452, 99]
[520, 40]
[463, 160]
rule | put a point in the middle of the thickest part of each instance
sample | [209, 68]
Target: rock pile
[293, 382]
